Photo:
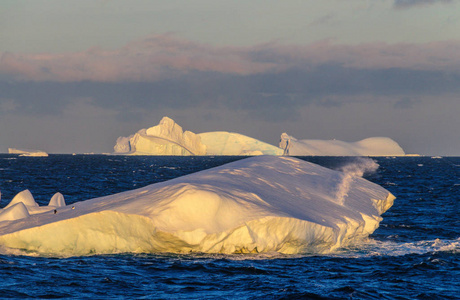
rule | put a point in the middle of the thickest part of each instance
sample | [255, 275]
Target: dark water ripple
[415, 253]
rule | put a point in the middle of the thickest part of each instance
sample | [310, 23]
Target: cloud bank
[163, 57]
[412, 3]
[270, 80]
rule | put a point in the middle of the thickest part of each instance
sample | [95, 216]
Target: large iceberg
[374, 146]
[167, 138]
[230, 143]
[26, 152]
[258, 204]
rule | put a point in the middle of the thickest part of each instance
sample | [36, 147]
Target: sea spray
[356, 168]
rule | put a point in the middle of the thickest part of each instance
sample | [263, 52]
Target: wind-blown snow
[24, 152]
[374, 146]
[230, 143]
[258, 204]
[167, 138]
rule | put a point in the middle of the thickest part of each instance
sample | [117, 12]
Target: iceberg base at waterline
[258, 204]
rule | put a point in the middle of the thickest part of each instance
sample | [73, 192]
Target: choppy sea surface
[414, 254]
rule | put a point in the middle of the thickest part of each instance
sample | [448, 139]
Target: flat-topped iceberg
[26, 152]
[230, 143]
[258, 204]
[374, 146]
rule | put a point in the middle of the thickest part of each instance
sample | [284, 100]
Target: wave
[372, 247]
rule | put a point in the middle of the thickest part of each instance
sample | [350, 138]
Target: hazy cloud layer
[270, 96]
[411, 3]
[163, 57]
[269, 80]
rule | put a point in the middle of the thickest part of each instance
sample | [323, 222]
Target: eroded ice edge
[258, 204]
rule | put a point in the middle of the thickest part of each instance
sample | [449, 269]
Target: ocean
[414, 254]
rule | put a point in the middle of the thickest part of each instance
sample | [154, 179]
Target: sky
[76, 75]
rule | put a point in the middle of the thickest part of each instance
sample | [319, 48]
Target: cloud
[150, 59]
[271, 96]
[269, 82]
[411, 3]
[162, 57]
[404, 103]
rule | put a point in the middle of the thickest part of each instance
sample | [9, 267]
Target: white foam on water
[372, 247]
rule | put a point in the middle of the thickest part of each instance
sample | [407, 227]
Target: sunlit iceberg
[166, 138]
[25, 152]
[230, 143]
[23, 205]
[258, 204]
[374, 146]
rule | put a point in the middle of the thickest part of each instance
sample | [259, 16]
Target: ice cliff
[374, 146]
[258, 204]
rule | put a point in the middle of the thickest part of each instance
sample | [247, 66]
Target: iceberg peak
[57, 200]
[166, 138]
[14, 212]
[24, 197]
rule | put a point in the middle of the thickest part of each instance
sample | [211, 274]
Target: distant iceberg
[167, 138]
[258, 204]
[24, 152]
[374, 146]
[230, 143]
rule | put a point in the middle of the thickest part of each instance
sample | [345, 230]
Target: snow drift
[258, 204]
[374, 146]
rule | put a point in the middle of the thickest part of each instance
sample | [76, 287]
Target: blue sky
[75, 75]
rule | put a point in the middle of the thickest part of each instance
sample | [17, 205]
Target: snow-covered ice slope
[166, 138]
[374, 146]
[258, 204]
[231, 143]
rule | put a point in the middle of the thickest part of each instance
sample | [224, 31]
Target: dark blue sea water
[414, 254]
